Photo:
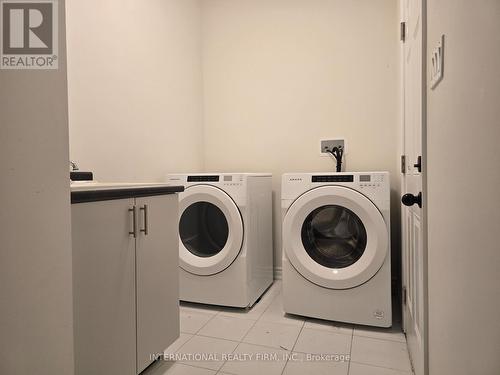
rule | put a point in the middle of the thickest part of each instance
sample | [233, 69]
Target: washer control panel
[373, 185]
[370, 180]
[203, 179]
[333, 178]
[230, 180]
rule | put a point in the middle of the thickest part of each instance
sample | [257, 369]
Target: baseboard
[278, 273]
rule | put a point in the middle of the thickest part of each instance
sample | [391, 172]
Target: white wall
[135, 87]
[36, 300]
[280, 75]
[247, 85]
[463, 198]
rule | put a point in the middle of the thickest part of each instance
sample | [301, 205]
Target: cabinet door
[157, 258]
[104, 288]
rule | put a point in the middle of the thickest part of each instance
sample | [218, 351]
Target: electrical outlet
[329, 144]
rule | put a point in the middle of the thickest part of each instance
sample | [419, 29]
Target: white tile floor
[265, 341]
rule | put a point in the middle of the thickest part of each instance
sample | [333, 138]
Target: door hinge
[402, 31]
[404, 295]
[418, 164]
[403, 164]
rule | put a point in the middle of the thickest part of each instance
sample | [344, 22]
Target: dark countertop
[95, 192]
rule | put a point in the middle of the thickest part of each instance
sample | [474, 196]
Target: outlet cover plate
[329, 144]
[437, 63]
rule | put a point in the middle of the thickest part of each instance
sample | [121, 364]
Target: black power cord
[338, 153]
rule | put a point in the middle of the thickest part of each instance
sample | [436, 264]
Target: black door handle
[410, 199]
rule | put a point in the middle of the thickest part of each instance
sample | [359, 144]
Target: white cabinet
[157, 276]
[125, 270]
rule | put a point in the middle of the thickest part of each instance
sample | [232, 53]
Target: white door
[414, 266]
[210, 230]
[336, 237]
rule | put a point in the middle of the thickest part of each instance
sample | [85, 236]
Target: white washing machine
[336, 246]
[225, 237]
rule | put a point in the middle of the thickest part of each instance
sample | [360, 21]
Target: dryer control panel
[236, 180]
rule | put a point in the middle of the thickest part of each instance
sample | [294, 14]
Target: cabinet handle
[146, 228]
[134, 222]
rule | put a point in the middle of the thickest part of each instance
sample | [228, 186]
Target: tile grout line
[328, 331]
[293, 346]
[259, 319]
[380, 339]
[239, 342]
[217, 338]
[350, 353]
[189, 339]
[208, 321]
[194, 334]
[383, 367]
[245, 335]
[194, 366]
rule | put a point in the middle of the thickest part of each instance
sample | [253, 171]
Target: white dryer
[336, 246]
[225, 237]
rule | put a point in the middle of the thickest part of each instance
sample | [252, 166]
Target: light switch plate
[437, 63]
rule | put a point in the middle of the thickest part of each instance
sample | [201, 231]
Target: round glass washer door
[335, 237]
[210, 230]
